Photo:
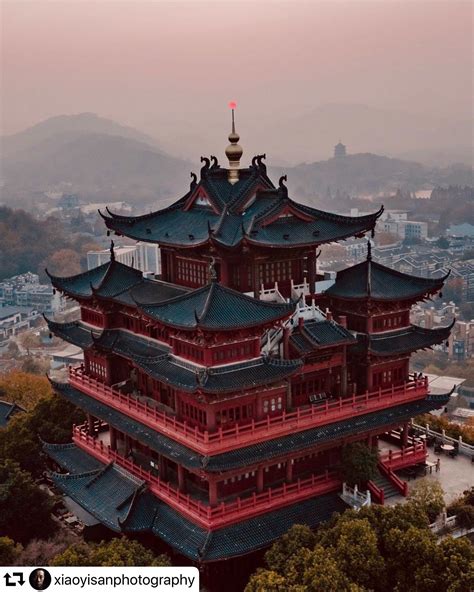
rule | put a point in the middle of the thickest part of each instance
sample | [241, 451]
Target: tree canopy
[18, 231]
[23, 388]
[376, 549]
[9, 551]
[359, 463]
[53, 246]
[428, 496]
[117, 552]
[25, 509]
[51, 421]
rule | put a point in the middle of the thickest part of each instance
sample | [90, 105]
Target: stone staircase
[384, 483]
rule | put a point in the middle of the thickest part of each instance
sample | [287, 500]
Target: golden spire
[233, 150]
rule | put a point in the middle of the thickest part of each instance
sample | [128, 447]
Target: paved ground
[456, 474]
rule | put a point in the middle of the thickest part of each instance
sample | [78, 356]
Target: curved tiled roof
[222, 379]
[108, 280]
[154, 358]
[216, 307]
[369, 278]
[317, 334]
[115, 281]
[71, 458]
[107, 492]
[74, 332]
[231, 541]
[404, 340]
[229, 222]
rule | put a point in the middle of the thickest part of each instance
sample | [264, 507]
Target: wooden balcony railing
[405, 457]
[223, 513]
[224, 439]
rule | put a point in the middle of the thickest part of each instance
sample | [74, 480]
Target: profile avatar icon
[40, 579]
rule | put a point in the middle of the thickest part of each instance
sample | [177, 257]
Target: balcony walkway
[255, 431]
[223, 513]
[455, 476]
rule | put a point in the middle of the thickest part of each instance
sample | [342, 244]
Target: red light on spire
[232, 105]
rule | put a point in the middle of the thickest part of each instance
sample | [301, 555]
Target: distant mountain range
[102, 160]
[90, 155]
[74, 125]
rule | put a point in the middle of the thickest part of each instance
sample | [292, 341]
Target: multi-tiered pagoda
[220, 395]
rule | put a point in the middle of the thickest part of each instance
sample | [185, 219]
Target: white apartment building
[142, 256]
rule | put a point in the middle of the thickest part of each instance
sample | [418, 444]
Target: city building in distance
[219, 397]
[142, 256]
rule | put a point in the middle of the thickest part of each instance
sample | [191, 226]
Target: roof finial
[369, 268]
[233, 150]
[112, 253]
[283, 189]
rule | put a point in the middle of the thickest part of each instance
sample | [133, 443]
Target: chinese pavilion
[219, 395]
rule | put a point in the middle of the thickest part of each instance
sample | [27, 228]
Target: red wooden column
[260, 479]
[224, 279]
[108, 368]
[312, 271]
[369, 377]
[289, 470]
[405, 435]
[212, 492]
[128, 444]
[407, 369]
[255, 278]
[90, 425]
[181, 479]
[211, 418]
[344, 372]
[164, 265]
[289, 396]
[256, 348]
[163, 468]
[170, 267]
[113, 438]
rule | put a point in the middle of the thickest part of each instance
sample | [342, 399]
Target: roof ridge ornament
[206, 167]
[209, 229]
[283, 189]
[258, 164]
[215, 163]
[193, 181]
[112, 253]
[234, 150]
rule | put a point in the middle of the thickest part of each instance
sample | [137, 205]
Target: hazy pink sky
[153, 64]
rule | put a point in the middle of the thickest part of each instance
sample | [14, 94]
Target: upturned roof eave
[436, 336]
[371, 297]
